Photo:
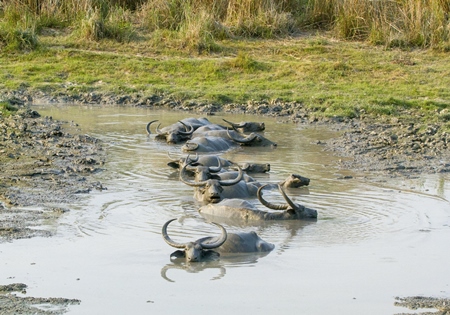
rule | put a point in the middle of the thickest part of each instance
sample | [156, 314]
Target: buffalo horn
[219, 241]
[187, 132]
[190, 160]
[159, 131]
[247, 139]
[168, 239]
[234, 125]
[184, 179]
[288, 200]
[232, 182]
[268, 204]
[216, 169]
[191, 146]
[148, 126]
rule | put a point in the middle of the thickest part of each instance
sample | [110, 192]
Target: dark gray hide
[226, 243]
[208, 144]
[246, 126]
[242, 210]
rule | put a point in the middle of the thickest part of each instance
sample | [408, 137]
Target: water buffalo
[214, 190]
[295, 181]
[246, 126]
[226, 243]
[211, 160]
[180, 131]
[242, 210]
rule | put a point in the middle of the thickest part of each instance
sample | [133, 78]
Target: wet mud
[11, 303]
[437, 306]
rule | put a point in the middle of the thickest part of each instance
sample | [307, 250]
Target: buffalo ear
[174, 164]
[176, 255]
[214, 176]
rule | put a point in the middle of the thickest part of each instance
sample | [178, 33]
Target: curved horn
[190, 160]
[148, 126]
[268, 204]
[159, 131]
[233, 181]
[187, 181]
[191, 146]
[247, 139]
[288, 200]
[241, 125]
[219, 241]
[216, 169]
[187, 132]
[171, 158]
[168, 239]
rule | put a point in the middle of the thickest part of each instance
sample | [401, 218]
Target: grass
[334, 63]
[6, 109]
[328, 75]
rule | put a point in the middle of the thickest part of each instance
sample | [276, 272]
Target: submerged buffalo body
[222, 140]
[242, 210]
[208, 144]
[212, 247]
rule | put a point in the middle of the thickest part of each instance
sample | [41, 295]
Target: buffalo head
[253, 139]
[295, 181]
[174, 133]
[198, 250]
[210, 190]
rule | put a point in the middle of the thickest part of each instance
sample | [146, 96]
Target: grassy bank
[232, 54]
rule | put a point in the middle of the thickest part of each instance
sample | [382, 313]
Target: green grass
[6, 109]
[333, 77]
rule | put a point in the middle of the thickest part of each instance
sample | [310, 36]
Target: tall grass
[199, 23]
[418, 23]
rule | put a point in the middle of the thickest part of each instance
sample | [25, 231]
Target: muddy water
[373, 240]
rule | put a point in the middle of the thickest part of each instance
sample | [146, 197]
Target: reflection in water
[215, 262]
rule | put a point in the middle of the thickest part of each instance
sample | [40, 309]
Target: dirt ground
[43, 167]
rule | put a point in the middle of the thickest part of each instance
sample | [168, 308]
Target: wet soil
[11, 304]
[45, 168]
[440, 306]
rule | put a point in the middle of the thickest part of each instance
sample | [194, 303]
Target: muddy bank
[11, 303]
[437, 306]
[42, 167]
